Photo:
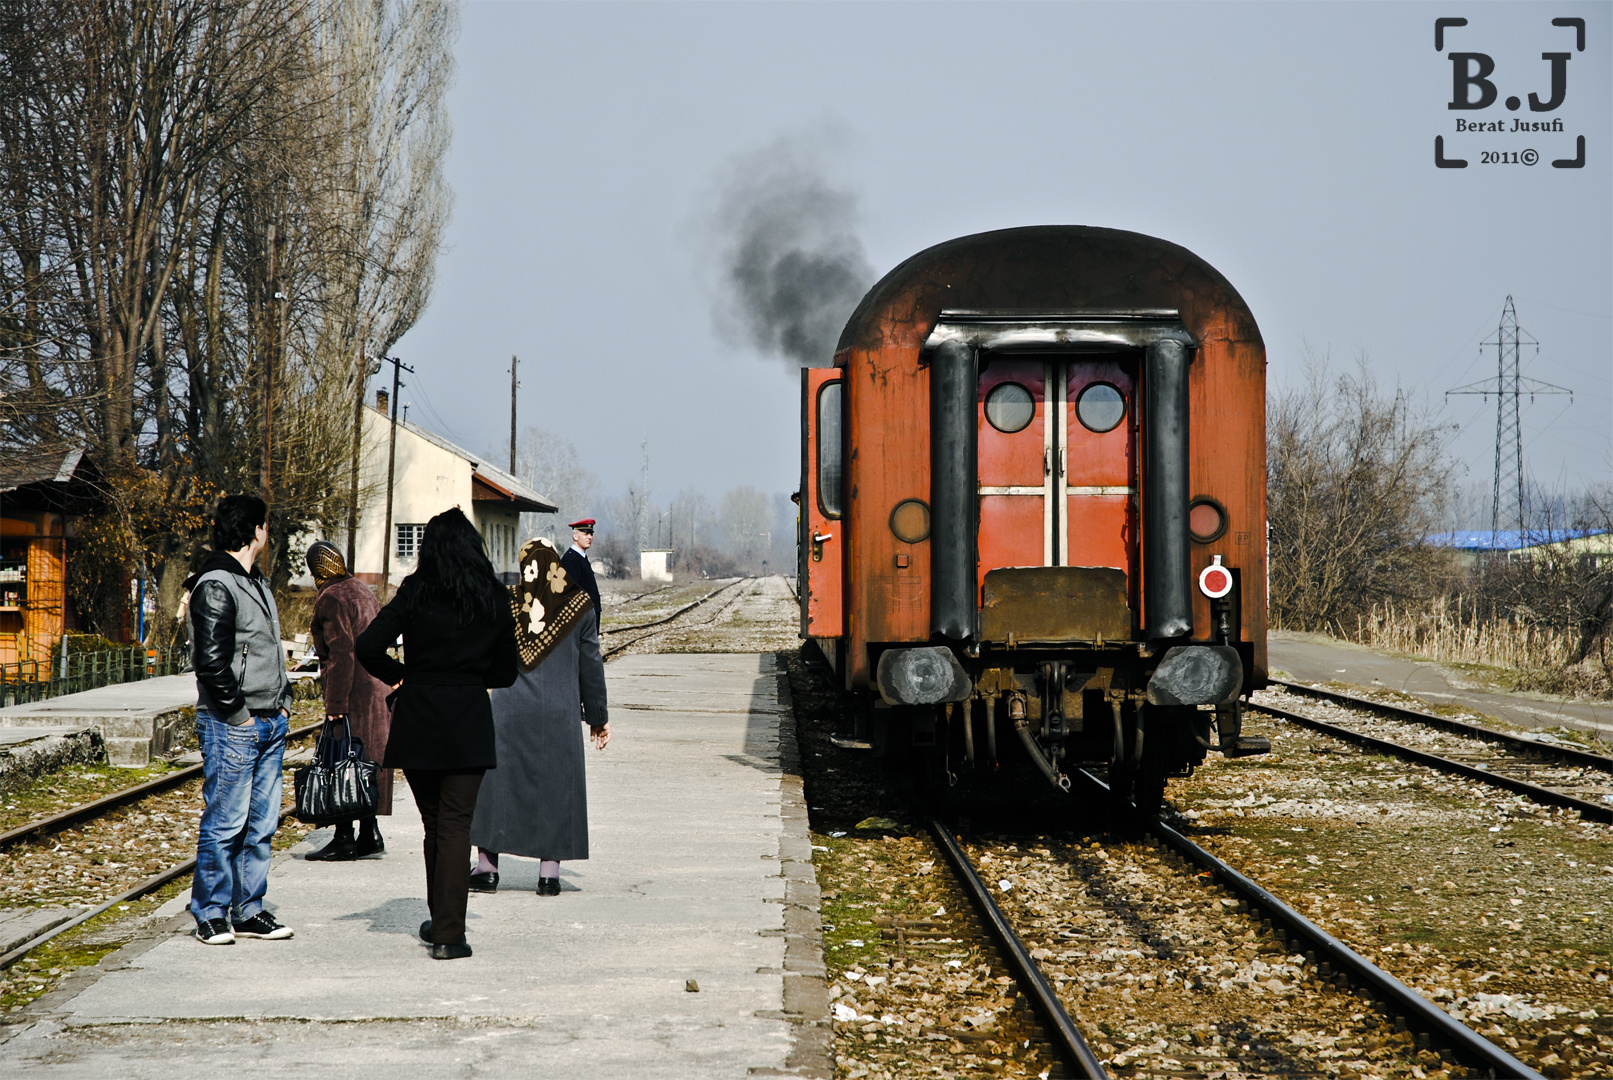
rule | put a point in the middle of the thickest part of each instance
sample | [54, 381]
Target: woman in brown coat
[346, 606]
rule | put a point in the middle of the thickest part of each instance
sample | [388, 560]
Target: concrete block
[138, 720]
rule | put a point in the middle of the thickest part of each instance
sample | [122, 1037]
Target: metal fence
[36, 680]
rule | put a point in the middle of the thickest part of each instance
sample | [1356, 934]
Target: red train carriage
[1034, 506]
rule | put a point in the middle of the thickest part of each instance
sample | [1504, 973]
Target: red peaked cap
[585, 523]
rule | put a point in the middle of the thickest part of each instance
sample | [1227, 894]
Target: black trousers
[447, 802]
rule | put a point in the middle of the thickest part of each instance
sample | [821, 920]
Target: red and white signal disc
[1215, 580]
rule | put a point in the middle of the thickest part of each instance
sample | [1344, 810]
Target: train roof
[1050, 269]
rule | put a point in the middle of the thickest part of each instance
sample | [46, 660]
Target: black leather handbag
[339, 784]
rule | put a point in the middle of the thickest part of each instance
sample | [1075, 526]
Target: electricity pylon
[1508, 507]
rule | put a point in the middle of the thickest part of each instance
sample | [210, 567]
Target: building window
[409, 541]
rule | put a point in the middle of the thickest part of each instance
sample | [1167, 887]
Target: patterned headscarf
[325, 562]
[547, 603]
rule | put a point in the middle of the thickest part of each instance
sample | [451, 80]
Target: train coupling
[1232, 743]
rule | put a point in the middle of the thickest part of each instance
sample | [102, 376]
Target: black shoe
[340, 849]
[548, 886]
[457, 950]
[425, 931]
[369, 845]
[263, 925]
[487, 882]
[214, 932]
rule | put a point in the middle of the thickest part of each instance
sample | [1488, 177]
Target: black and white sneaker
[214, 932]
[262, 925]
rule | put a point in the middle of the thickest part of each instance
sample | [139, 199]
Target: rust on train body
[1031, 444]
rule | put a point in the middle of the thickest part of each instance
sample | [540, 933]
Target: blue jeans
[241, 794]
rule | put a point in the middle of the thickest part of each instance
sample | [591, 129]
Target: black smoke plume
[793, 267]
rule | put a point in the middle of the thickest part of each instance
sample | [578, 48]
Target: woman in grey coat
[535, 802]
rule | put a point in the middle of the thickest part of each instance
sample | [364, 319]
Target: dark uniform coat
[578, 569]
[441, 719]
[342, 610]
[535, 803]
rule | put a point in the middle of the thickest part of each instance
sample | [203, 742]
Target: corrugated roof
[1506, 539]
[38, 465]
[518, 491]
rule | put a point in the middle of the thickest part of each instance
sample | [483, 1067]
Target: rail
[1545, 796]
[1041, 993]
[1469, 1047]
[151, 884]
[680, 611]
[678, 614]
[1570, 754]
[85, 811]
[100, 806]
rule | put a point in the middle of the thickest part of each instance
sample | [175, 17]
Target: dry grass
[1538, 657]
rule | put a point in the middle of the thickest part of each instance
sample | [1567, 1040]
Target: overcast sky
[1289, 145]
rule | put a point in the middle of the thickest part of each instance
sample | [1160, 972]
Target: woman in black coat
[458, 641]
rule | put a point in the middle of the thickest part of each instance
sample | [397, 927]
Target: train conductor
[575, 561]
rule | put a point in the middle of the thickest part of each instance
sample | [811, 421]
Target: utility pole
[270, 354]
[362, 374]
[642, 525]
[513, 385]
[391, 466]
[268, 372]
[1508, 507]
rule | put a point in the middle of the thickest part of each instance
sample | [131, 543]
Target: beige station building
[430, 475]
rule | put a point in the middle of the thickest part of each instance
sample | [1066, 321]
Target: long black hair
[454, 570]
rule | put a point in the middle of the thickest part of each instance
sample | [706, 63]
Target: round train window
[1206, 519]
[910, 521]
[1010, 407]
[1100, 407]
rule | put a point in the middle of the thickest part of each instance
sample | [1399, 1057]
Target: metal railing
[36, 680]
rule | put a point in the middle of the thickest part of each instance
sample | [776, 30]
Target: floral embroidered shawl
[547, 603]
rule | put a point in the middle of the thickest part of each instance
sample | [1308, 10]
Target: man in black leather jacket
[243, 700]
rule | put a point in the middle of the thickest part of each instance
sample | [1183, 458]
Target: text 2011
[1508, 157]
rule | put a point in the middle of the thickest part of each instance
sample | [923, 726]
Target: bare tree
[1356, 481]
[215, 214]
[691, 521]
[554, 469]
[746, 520]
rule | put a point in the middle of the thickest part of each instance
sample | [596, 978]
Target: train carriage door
[1014, 444]
[822, 503]
[1099, 465]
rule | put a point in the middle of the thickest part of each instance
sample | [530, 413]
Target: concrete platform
[1313, 658]
[701, 870]
[137, 719]
[20, 737]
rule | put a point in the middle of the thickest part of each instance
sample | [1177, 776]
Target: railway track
[1062, 1029]
[150, 885]
[1548, 773]
[90, 811]
[656, 627]
[1146, 909]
